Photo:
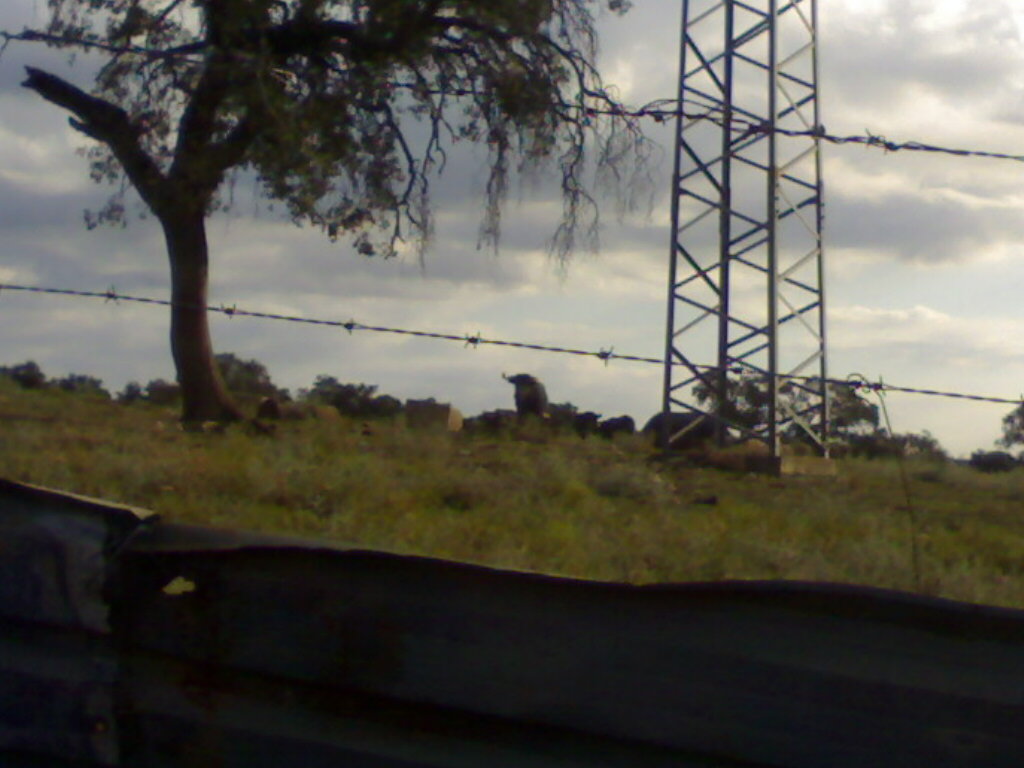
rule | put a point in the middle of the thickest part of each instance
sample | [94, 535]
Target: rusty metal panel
[231, 649]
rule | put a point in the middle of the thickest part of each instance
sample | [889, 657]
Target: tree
[854, 428]
[344, 110]
[1013, 428]
[747, 403]
[746, 399]
[850, 414]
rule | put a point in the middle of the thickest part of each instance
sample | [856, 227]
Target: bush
[131, 393]
[160, 392]
[356, 400]
[385, 405]
[80, 384]
[880, 444]
[993, 461]
[27, 374]
[248, 378]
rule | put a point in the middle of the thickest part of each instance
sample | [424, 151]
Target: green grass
[534, 501]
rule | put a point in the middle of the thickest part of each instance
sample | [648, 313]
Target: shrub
[356, 400]
[248, 378]
[385, 405]
[160, 392]
[993, 461]
[80, 384]
[880, 444]
[27, 374]
[131, 393]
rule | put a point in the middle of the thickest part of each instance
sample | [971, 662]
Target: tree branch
[64, 41]
[199, 118]
[229, 151]
[107, 123]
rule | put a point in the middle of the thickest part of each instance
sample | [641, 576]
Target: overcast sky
[923, 252]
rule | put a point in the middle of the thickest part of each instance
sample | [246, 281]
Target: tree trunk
[203, 394]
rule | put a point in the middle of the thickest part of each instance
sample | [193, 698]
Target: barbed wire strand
[475, 340]
[662, 110]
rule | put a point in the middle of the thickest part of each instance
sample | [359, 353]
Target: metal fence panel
[56, 552]
[234, 649]
[57, 666]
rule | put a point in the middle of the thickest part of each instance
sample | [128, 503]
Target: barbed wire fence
[660, 110]
[855, 382]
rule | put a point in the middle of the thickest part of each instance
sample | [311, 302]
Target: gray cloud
[876, 58]
[27, 207]
[917, 228]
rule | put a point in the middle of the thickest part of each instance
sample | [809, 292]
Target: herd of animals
[531, 400]
[531, 403]
[685, 430]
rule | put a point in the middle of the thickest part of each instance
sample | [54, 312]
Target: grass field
[533, 500]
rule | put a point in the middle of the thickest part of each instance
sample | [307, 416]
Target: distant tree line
[855, 423]
[248, 381]
[30, 376]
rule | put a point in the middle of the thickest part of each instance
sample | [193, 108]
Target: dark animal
[993, 461]
[685, 430]
[269, 409]
[619, 425]
[531, 397]
[586, 423]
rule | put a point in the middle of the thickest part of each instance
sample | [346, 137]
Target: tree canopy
[343, 109]
[1013, 428]
[747, 404]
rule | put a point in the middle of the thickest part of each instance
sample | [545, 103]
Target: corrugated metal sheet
[230, 649]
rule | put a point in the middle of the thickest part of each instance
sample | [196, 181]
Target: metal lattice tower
[746, 287]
